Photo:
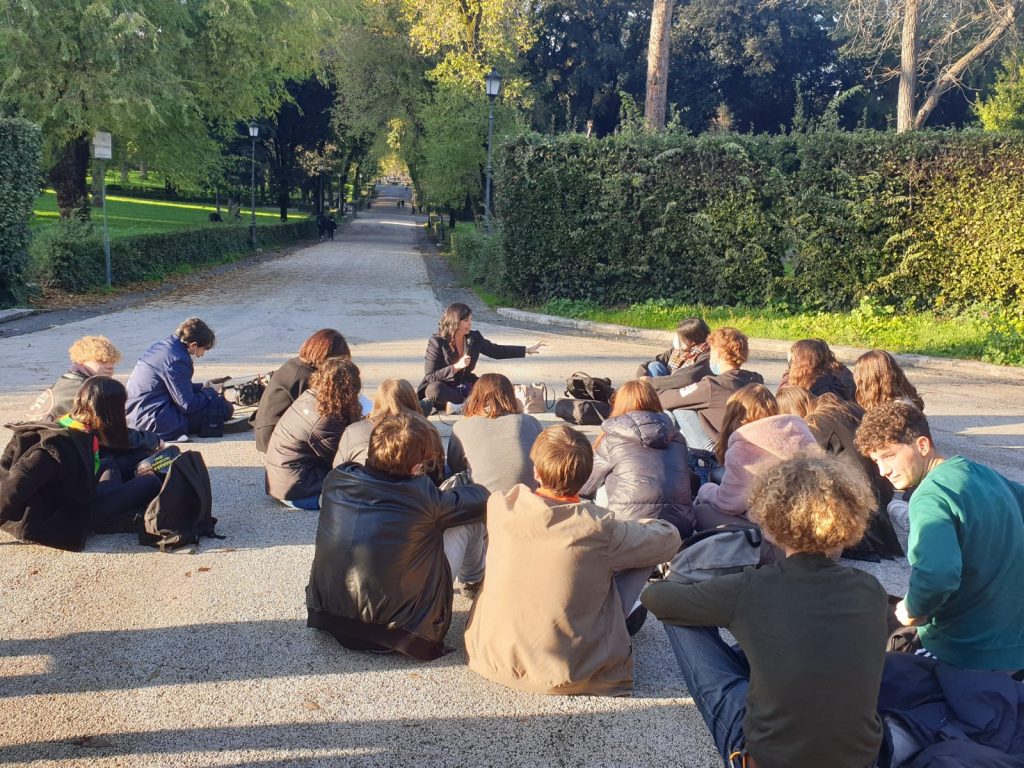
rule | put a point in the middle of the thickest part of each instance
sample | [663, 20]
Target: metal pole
[488, 169]
[252, 200]
[106, 233]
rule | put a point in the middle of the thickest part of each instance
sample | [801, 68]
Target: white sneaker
[453, 409]
[181, 439]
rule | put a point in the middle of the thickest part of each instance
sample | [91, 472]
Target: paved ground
[120, 656]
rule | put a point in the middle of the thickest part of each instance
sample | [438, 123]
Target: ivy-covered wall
[817, 220]
[20, 152]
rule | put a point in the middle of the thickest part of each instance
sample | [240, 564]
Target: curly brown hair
[731, 345]
[98, 348]
[337, 386]
[493, 395]
[809, 360]
[879, 379]
[750, 403]
[812, 503]
[890, 423]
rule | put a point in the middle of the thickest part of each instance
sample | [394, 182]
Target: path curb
[7, 315]
[767, 348]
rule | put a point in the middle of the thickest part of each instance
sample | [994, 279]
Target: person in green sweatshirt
[966, 546]
[802, 687]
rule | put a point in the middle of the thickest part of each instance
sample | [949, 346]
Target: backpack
[715, 552]
[180, 514]
[590, 412]
[583, 386]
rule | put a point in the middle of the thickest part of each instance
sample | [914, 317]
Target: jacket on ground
[642, 462]
[301, 450]
[752, 449]
[548, 618]
[380, 578]
[160, 390]
[709, 396]
[285, 385]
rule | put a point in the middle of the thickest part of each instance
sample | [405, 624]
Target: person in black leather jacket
[380, 579]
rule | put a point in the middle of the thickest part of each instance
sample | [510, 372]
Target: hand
[463, 363]
[905, 619]
[536, 348]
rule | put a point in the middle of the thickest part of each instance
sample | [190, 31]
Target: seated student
[813, 366]
[452, 354]
[54, 486]
[548, 618]
[880, 379]
[966, 547]
[305, 440]
[292, 379]
[688, 360]
[640, 461]
[754, 437]
[494, 439]
[380, 579]
[802, 687]
[161, 395]
[394, 397]
[700, 407]
[90, 356]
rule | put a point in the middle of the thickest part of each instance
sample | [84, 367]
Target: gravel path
[120, 656]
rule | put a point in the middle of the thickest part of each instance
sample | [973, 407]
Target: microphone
[470, 342]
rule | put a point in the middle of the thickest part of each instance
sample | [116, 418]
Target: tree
[939, 42]
[1003, 109]
[657, 64]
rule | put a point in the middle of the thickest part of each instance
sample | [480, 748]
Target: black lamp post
[254, 131]
[492, 82]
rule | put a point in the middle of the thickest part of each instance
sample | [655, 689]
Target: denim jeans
[311, 503]
[717, 677]
[465, 546]
[657, 368]
[692, 429]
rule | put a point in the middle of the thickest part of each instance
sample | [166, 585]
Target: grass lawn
[133, 216]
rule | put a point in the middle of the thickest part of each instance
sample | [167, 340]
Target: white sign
[102, 146]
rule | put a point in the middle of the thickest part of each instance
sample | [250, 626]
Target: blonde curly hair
[98, 348]
[812, 503]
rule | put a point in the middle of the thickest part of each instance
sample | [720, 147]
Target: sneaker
[454, 409]
[182, 439]
[636, 619]
[472, 589]
[427, 406]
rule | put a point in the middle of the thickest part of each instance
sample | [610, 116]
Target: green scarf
[71, 423]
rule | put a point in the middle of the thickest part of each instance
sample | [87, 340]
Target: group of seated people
[555, 540]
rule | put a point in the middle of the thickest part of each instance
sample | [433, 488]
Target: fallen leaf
[311, 705]
[97, 742]
[33, 572]
[188, 573]
[203, 568]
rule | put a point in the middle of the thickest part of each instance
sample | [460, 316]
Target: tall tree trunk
[68, 179]
[905, 104]
[657, 64]
[143, 169]
[124, 171]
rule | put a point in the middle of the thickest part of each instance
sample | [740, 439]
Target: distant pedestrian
[321, 226]
[332, 225]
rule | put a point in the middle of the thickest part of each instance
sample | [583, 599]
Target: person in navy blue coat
[161, 395]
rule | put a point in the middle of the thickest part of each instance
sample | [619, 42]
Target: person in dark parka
[90, 356]
[380, 579]
[292, 379]
[161, 395]
[452, 354]
[813, 366]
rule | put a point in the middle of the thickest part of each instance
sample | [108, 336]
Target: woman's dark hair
[809, 359]
[337, 384]
[693, 330]
[99, 405]
[196, 331]
[323, 344]
[450, 320]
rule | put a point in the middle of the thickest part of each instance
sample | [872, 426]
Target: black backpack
[584, 412]
[583, 386]
[181, 513]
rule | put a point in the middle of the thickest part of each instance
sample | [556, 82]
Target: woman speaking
[452, 354]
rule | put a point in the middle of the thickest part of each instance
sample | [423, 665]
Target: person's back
[496, 451]
[286, 384]
[301, 450]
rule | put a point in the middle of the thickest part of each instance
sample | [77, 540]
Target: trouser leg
[465, 546]
[115, 500]
[693, 430]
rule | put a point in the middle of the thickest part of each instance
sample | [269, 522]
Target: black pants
[216, 411]
[117, 501]
[442, 393]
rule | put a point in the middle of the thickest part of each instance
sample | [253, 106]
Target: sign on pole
[102, 146]
[102, 149]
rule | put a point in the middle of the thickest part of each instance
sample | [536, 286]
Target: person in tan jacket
[548, 617]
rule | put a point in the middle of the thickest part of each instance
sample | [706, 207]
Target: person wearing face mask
[699, 409]
[161, 395]
[90, 356]
[688, 360]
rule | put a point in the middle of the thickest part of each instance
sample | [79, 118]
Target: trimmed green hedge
[20, 155]
[815, 220]
[69, 255]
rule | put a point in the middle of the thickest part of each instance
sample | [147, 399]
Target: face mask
[716, 366]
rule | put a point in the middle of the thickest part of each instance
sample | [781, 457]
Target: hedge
[20, 155]
[69, 255]
[815, 220]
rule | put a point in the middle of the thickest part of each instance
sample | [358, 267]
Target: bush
[69, 255]
[815, 221]
[20, 154]
[480, 255]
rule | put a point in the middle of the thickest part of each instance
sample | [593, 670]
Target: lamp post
[254, 131]
[492, 82]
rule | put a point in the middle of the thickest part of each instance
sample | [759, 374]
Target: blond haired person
[802, 687]
[90, 356]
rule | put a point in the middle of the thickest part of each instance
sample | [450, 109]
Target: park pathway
[128, 657]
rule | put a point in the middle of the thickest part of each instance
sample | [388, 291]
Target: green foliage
[20, 147]
[69, 254]
[1003, 109]
[479, 253]
[817, 220]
